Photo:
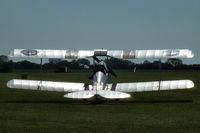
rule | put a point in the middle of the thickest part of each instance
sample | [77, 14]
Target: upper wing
[139, 54]
[46, 85]
[43, 53]
[123, 54]
[152, 86]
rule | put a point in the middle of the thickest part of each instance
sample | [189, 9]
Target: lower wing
[115, 91]
[78, 90]
[46, 85]
[152, 86]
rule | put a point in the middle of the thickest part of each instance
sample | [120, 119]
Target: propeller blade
[112, 72]
[96, 59]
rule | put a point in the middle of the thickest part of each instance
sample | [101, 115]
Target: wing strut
[159, 72]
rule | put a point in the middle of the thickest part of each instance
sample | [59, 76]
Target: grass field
[27, 111]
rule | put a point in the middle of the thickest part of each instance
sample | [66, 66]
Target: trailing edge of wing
[45, 85]
[123, 54]
[153, 86]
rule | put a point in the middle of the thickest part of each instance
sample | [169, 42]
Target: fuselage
[99, 80]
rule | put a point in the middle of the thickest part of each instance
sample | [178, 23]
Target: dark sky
[109, 24]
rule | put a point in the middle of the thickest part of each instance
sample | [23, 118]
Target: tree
[5, 64]
[174, 62]
[84, 62]
[119, 63]
[3, 58]
[146, 62]
[54, 61]
[26, 65]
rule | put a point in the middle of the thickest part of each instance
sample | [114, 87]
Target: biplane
[101, 72]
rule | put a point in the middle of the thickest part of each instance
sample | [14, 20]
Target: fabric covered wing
[103, 93]
[43, 53]
[123, 54]
[80, 94]
[45, 85]
[113, 94]
[152, 86]
[138, 54]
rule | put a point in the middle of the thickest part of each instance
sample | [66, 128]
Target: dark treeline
[58, 65]
[168, 65]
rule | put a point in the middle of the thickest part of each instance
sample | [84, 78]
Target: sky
[93, 24]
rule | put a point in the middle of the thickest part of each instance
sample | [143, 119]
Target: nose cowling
[100, 77]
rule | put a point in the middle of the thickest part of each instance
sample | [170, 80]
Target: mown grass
[27, 111]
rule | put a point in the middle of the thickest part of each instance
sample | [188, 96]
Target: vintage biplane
[99, 85]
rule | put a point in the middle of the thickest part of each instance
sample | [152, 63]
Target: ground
[27, 111]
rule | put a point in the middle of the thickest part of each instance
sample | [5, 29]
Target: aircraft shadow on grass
[116, 102]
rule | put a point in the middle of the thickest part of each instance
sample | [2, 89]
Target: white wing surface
[103, 93]
[113, 94]
[45, 85]
[61, 54]
[123, 54]
[152, 86]
[138, 54]
[80, 94]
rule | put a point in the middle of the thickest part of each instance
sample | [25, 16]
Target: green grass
[27, 111]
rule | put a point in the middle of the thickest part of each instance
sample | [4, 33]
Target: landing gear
[84, 100]
[97, 99]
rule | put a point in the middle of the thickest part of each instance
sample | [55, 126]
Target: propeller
[112, 72]
[96, 59]
[105, 67]
[109, 70]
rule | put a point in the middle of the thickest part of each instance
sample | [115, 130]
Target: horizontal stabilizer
[152, 86]
[45, 85]
[103, 93]
[123, 54]
[113, 94]
[80, 94]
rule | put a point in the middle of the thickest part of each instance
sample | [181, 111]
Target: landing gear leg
[97, 99]
[85, 100]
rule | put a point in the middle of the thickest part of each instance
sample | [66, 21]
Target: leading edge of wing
[45, 85]
[123, 54]
[152, 86]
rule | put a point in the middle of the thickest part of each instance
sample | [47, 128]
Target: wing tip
[190, 84]
[10, 83]
[190, 54]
